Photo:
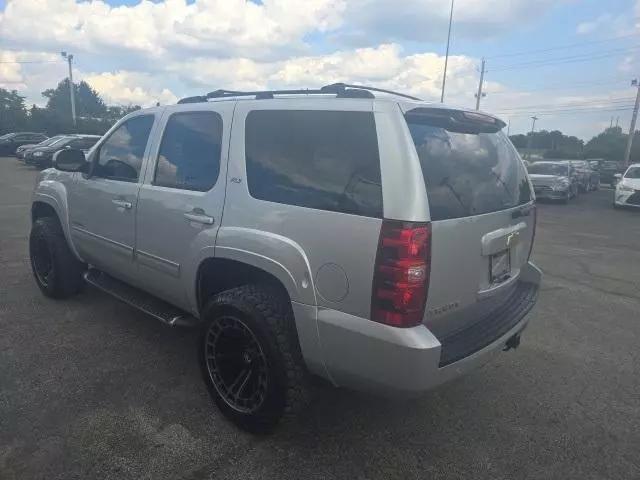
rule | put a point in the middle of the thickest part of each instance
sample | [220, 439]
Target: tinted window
[120, 157]
[468, 173]
[83, 143]
[59, 141]
[189, 155]
[316, 159]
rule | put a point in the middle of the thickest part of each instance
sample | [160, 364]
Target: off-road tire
[65, 277]
[268, 315]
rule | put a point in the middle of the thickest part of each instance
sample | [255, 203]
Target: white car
[628, 188]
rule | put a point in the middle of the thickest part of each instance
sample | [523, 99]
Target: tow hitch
[513, 342]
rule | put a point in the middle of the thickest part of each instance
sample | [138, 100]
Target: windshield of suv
[548, 169]
[468, 174]
[633, 172]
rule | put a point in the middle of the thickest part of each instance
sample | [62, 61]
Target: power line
[33, 61]
[564, 87]
[584, 57]
[571, 111]
[561, 47]
[578, 103]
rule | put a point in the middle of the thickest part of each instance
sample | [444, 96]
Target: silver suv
[379, 242]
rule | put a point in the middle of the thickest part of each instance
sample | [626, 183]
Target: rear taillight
[401, 278]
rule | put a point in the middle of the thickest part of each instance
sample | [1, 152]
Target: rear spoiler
[459, 121]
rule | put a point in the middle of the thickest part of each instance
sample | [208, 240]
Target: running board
[159, 309]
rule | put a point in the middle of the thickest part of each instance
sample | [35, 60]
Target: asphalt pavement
[91, 388]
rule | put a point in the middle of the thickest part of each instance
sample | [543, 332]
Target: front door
[180, 202]
[103, 203]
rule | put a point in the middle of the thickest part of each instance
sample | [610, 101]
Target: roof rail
[341, 90]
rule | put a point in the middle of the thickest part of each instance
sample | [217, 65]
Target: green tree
[88, 102]
[13, 112]
[611, 145]
[116, 112]
[519, 140]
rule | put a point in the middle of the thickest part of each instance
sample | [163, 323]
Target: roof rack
[341, 90]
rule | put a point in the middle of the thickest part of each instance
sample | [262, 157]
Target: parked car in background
[41, 157]
[588, 179]
[627, 192]
[57, 142]
[22, 150]
[270, 233]
[608, 170]
[10, 142]
[553, 180]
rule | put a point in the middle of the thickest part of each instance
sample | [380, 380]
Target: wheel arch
[216, 274]
[46, 205]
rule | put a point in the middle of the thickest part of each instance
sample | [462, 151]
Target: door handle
[198, 215]
[122, 203]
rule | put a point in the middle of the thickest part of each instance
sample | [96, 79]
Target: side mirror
[70, 160]
[618, 176]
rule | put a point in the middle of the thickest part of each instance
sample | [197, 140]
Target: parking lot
[91, 388]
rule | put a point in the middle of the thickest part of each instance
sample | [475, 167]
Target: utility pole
[69, 58]
[446, 57]
[617, 120]
[508, 127]
[634, 117]
[611, 122]
[479, 95]
[533, 126]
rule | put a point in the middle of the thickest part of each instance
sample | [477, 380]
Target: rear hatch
[482, 215]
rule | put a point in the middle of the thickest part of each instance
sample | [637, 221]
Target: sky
[568, 62]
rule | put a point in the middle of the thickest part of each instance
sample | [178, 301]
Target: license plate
[500, 266]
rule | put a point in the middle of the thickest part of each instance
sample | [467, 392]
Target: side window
[189, 156]
[120, 157]
[319, 159]
[83, 143]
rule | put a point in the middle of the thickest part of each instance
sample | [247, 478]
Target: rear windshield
[547, 169]
[468, 174]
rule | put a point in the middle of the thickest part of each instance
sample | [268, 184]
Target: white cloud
[223, 27]
[124, 88]
[384, 66]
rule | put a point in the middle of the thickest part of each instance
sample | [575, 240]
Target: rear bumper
[365, 355]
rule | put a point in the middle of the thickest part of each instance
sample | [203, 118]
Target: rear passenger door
[181, 200]
[305, 193]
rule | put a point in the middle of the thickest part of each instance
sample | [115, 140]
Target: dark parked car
[553, 180]
[41, 156]
[22, 150]
[10, 142]
[608, 170]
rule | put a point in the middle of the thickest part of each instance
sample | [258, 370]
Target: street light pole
[69, 58]
[446, 57]
[632, 129]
